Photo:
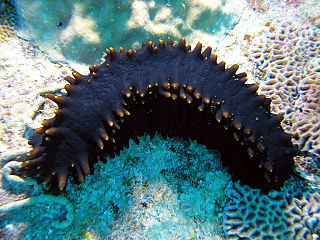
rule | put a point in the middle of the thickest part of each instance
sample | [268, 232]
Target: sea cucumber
[170, 89]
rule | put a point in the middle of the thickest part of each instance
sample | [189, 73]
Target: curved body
[169, 89]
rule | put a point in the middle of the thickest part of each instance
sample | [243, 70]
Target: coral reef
[289, 214]
[287, 58]
[304, 118]
[169, 184]
[8, 19]
[259, 5]
[192, 187]
[80, 30]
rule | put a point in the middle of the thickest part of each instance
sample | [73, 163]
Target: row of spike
[61, 178]
[182, 45]
[113, 123]
[219, 115]
[112, 53]
[153, 48]
[165, 88]
[61, 101]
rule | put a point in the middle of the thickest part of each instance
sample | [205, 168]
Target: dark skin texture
[168, 89]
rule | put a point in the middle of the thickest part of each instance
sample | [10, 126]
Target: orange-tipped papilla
[161, 43]
[197, 49]
[218, 115]
[182, 44]
[149, 46]
[130, 53]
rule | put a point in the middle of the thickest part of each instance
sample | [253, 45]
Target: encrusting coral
[288, 65]
[289, 214]
[81, 29]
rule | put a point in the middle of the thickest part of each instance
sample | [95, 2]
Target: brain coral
[288, 65]
[250, 214]
[305, 117]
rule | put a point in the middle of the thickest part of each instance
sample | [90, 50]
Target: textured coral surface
[287, 58]
[291, 213]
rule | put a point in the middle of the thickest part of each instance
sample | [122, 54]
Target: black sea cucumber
[169, 89]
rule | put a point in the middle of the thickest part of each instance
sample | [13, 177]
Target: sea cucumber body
[172, 90]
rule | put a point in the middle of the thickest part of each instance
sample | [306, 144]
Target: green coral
[80, 30]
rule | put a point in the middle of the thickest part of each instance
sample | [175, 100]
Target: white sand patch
[163, 23]
[80, 25]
